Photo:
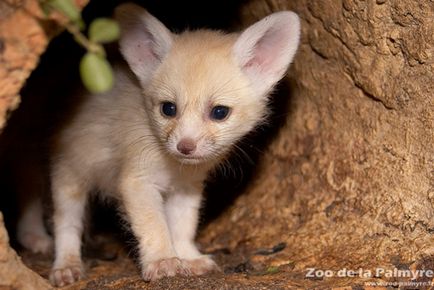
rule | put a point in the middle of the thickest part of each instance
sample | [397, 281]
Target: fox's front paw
[164, 268]
[60, 277]
[201, 265]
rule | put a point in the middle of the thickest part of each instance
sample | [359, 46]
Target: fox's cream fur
[123, 145]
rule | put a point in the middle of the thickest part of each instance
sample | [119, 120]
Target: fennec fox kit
[176, 111]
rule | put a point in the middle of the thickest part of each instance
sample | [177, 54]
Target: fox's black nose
[186, 146]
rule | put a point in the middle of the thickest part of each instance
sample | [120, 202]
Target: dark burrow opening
[49, 94]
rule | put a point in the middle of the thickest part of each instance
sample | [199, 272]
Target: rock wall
[24, 35]
[349, 180]
[13, 273]
[22, 40]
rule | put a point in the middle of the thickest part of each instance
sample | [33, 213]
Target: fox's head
[203, 89]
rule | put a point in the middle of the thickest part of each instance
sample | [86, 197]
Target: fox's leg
[69, 198]
[182, 211]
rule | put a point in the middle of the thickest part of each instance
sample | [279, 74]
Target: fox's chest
[171, 177]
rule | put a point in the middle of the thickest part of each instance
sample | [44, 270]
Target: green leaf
[96, 73]
[68, 8]
[103, 30]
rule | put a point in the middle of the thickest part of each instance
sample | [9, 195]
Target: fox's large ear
[265, 49]
[144, 42]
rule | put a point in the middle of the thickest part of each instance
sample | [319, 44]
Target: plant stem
[83, 41]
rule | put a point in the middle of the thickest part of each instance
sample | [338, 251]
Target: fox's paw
[164, 268]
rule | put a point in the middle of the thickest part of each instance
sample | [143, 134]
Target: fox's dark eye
[168, 109]
[219, 113]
